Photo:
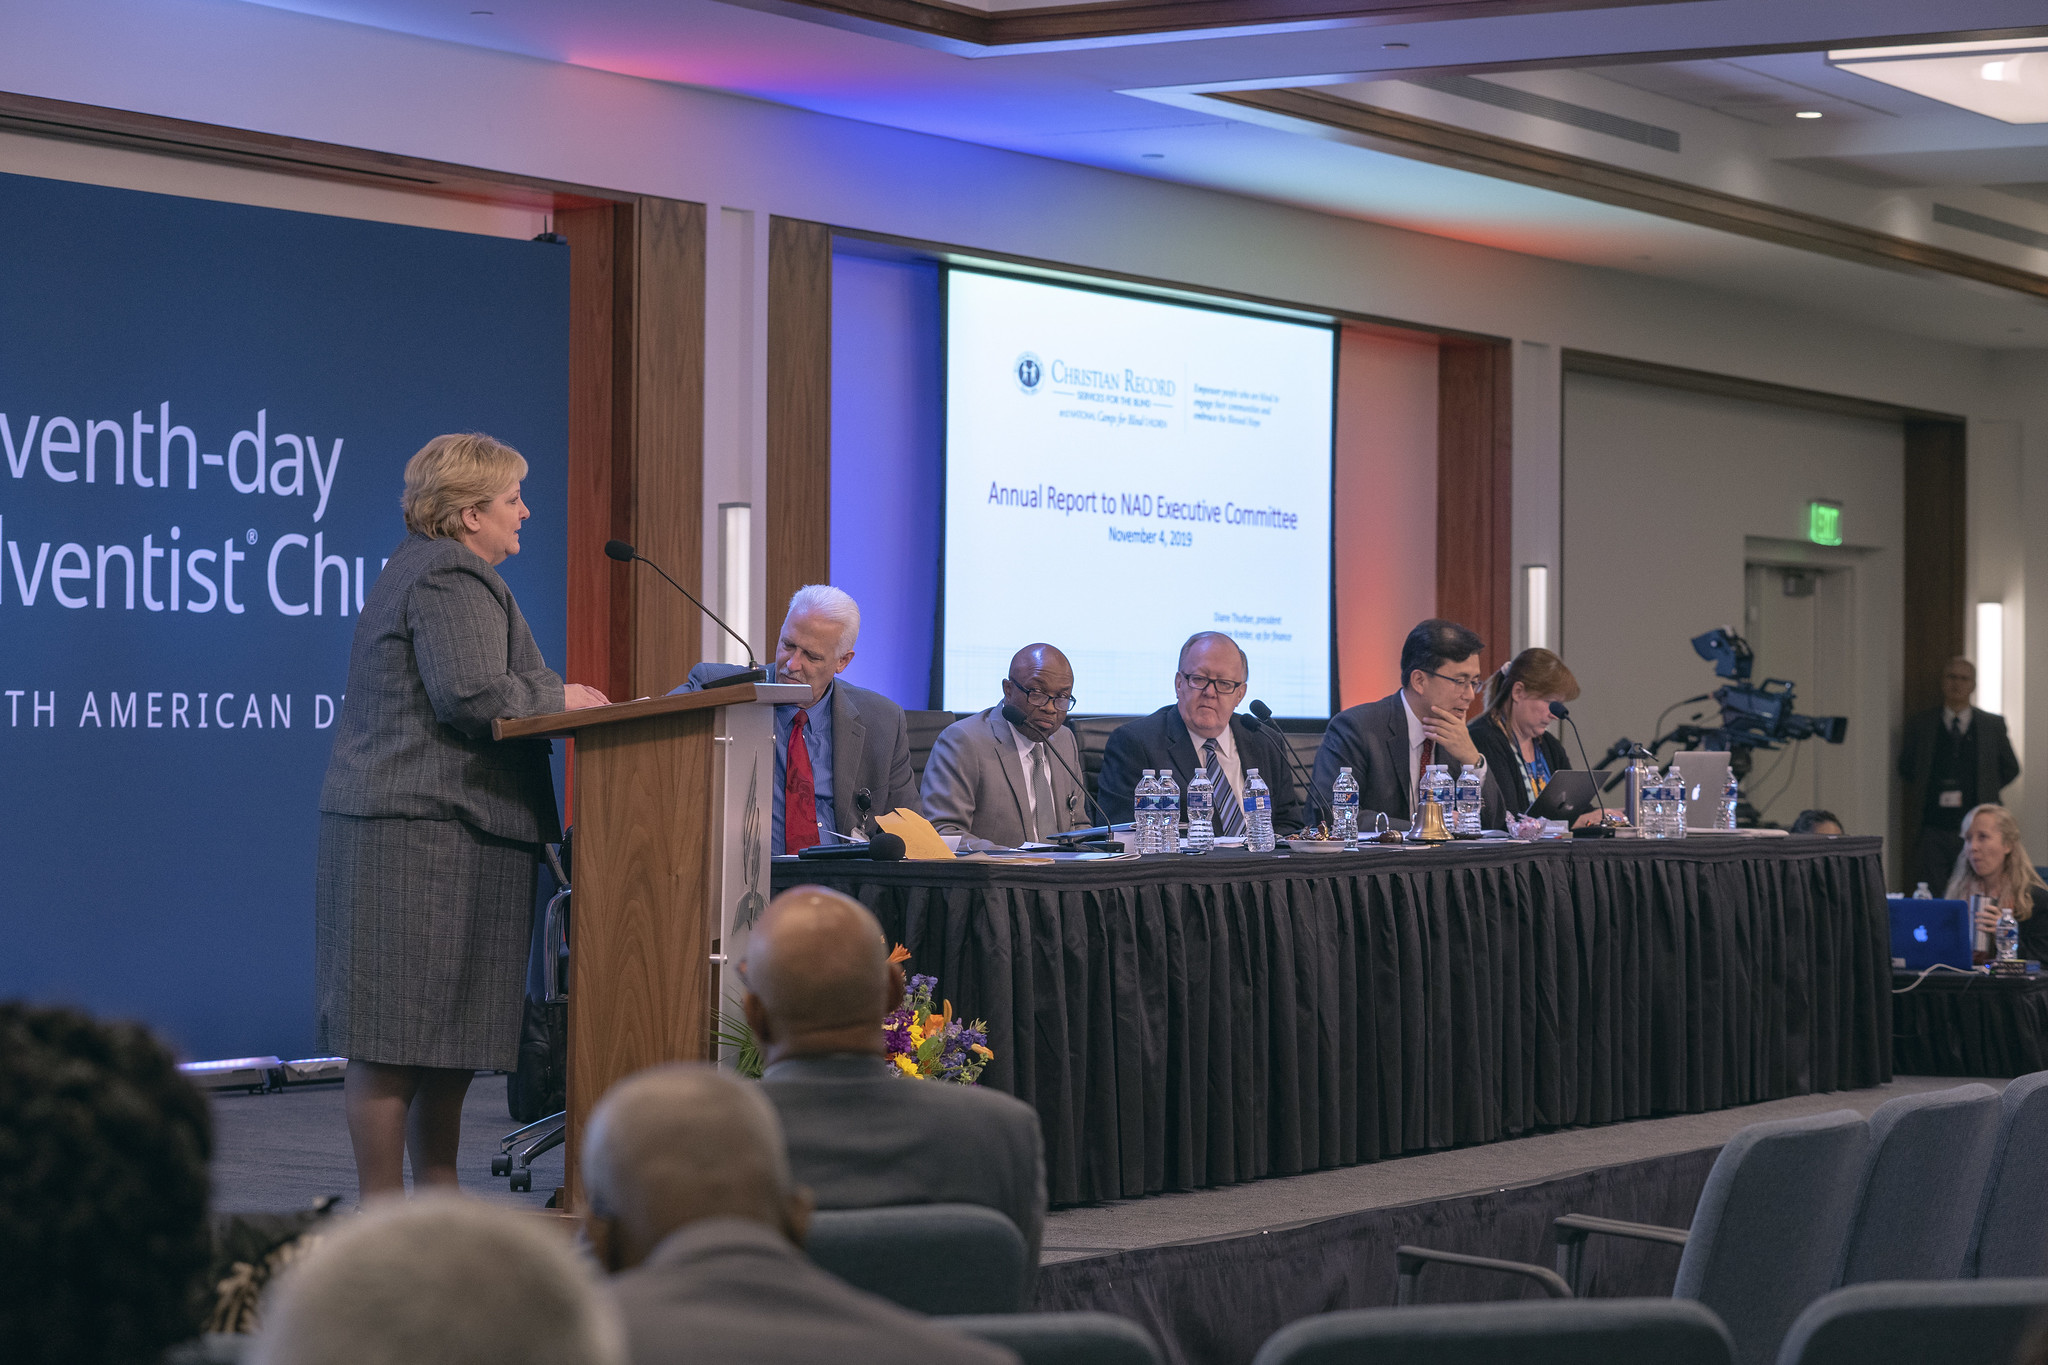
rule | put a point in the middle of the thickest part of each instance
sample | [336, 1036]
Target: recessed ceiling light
[1393, 46]
[2006, 79]
[1807, 113]
[1153, 156]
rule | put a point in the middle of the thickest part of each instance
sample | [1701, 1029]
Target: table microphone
[1023, 722]
[883, 847]
[1563, 713]
[1264, 715]
[626, 554]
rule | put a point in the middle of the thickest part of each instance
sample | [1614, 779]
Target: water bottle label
[1257, 801]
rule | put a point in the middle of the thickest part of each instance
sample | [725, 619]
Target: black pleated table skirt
[1182, 1022]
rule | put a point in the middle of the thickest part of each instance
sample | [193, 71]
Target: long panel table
[1182, 1022]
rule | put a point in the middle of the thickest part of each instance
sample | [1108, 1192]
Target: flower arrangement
[927, 1042]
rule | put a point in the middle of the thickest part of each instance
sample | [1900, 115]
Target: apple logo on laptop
[1919, 933]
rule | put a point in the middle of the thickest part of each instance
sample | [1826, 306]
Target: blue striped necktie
[1228, 811]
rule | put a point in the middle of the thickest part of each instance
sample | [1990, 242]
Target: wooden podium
[674, 799]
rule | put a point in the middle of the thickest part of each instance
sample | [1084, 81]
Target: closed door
[1799, 622]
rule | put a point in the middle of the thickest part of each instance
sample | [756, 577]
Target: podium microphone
[1023, 722]
[626, 554]
[1264, 715]
[1563, 713]
[883, 847]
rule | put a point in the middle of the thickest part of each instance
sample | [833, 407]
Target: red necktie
[799, 800]
[1428, 757]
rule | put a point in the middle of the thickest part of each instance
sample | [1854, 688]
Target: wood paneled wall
[1936, 543]
[799, 514]
[1475, 475]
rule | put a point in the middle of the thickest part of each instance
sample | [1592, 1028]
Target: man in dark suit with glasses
[1387, 743]
[1201, 729]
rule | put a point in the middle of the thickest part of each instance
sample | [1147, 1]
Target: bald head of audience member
[445, 1278]
[818, 977]
[675, 1145]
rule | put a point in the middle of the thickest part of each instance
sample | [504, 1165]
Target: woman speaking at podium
[429, 829]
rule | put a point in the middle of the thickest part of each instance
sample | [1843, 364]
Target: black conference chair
[1584, 1332]
[1922, 1182]
[1766, 1237]
[1957, 1322]
[1063, 1338]
[968, 1259]
[2011, 1237]
[923, 728]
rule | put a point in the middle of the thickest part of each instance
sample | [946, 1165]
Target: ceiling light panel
[2005, 80]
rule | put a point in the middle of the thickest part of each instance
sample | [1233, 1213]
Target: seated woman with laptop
[1513, 734]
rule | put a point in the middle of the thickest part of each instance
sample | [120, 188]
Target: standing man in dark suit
[1387, 743]
[1208, 683]
[819, 982]
[854, 740]
[693, 1207]
[995, 780]
[1954, 759]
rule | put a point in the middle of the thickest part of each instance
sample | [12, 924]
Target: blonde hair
[454, 472]
[2013, 884]
[1541, 674]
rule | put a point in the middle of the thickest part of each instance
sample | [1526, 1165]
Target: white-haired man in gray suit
[692, 1202]
[994, 777]
[855, 754]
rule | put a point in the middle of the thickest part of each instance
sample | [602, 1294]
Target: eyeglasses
[1063, 701]
[1462, 684]
[1222, 687]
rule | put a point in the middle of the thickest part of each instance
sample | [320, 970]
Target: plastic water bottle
[1144, 812]
[1678, 793]
[1467, 799]
[1440, 789]
[2007, 936]
[1731, 796]
[1166, 802]
[1921, 893]
[1258, 813]
[1201, 822]
[1344, 808]
[1660, 804]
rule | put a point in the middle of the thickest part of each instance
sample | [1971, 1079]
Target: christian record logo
[1029, 371]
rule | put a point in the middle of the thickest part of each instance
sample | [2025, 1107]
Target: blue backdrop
[205, 414]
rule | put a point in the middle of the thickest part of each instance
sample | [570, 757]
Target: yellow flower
[983, 1051]
[905, 1065]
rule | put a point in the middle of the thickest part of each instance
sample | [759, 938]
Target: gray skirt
[420, 939]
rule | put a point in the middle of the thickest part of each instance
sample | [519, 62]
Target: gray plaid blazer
[441, 651]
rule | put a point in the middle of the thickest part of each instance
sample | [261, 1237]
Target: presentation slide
[1121, 473]
[205, 414]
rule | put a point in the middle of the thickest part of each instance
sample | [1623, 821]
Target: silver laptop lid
[1706, 776]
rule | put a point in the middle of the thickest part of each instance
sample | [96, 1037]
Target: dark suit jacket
[1497, 747]
[1161, 740]
[735, 1291]
[1371, 739]
[440, 651]
[870, 747]
[1997, 766]
[863, 1139]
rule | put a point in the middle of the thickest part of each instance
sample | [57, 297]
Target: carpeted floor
[279, 1152]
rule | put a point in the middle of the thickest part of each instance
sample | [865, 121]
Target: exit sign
[1824, 523]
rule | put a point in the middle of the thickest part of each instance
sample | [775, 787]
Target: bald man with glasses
[1201, 729]
[992, 778]
[1387, 743]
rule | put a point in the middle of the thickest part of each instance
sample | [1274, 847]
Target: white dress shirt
[1416, 735]
[1950, 719]
[1028, 756]
[1226, 753]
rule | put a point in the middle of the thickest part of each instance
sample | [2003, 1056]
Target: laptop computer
[1927, 933]
[1568, 795]
[1706, 778]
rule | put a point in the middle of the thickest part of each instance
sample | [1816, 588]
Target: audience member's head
[1209, 681]
[1817, 822]
[443, 1278]
[674, 1145]
[1958, 682]
[818, 976]
[103, 1172]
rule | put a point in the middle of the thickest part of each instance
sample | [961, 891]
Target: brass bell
[1432, 829]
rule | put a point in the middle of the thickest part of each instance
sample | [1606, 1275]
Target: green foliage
[733, 1031]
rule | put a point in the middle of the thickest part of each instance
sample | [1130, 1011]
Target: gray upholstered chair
[1922, 1183]
[1766, 1237]
[2011, 1238]
[1957, 1322]
[1585, 1332]
[1064, 1338]
[969, 1259]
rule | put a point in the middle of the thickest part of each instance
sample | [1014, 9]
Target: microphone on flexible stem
[883, 847]
[1023, 722]
[626, 554]
[1264, 715]
[1599, 831]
